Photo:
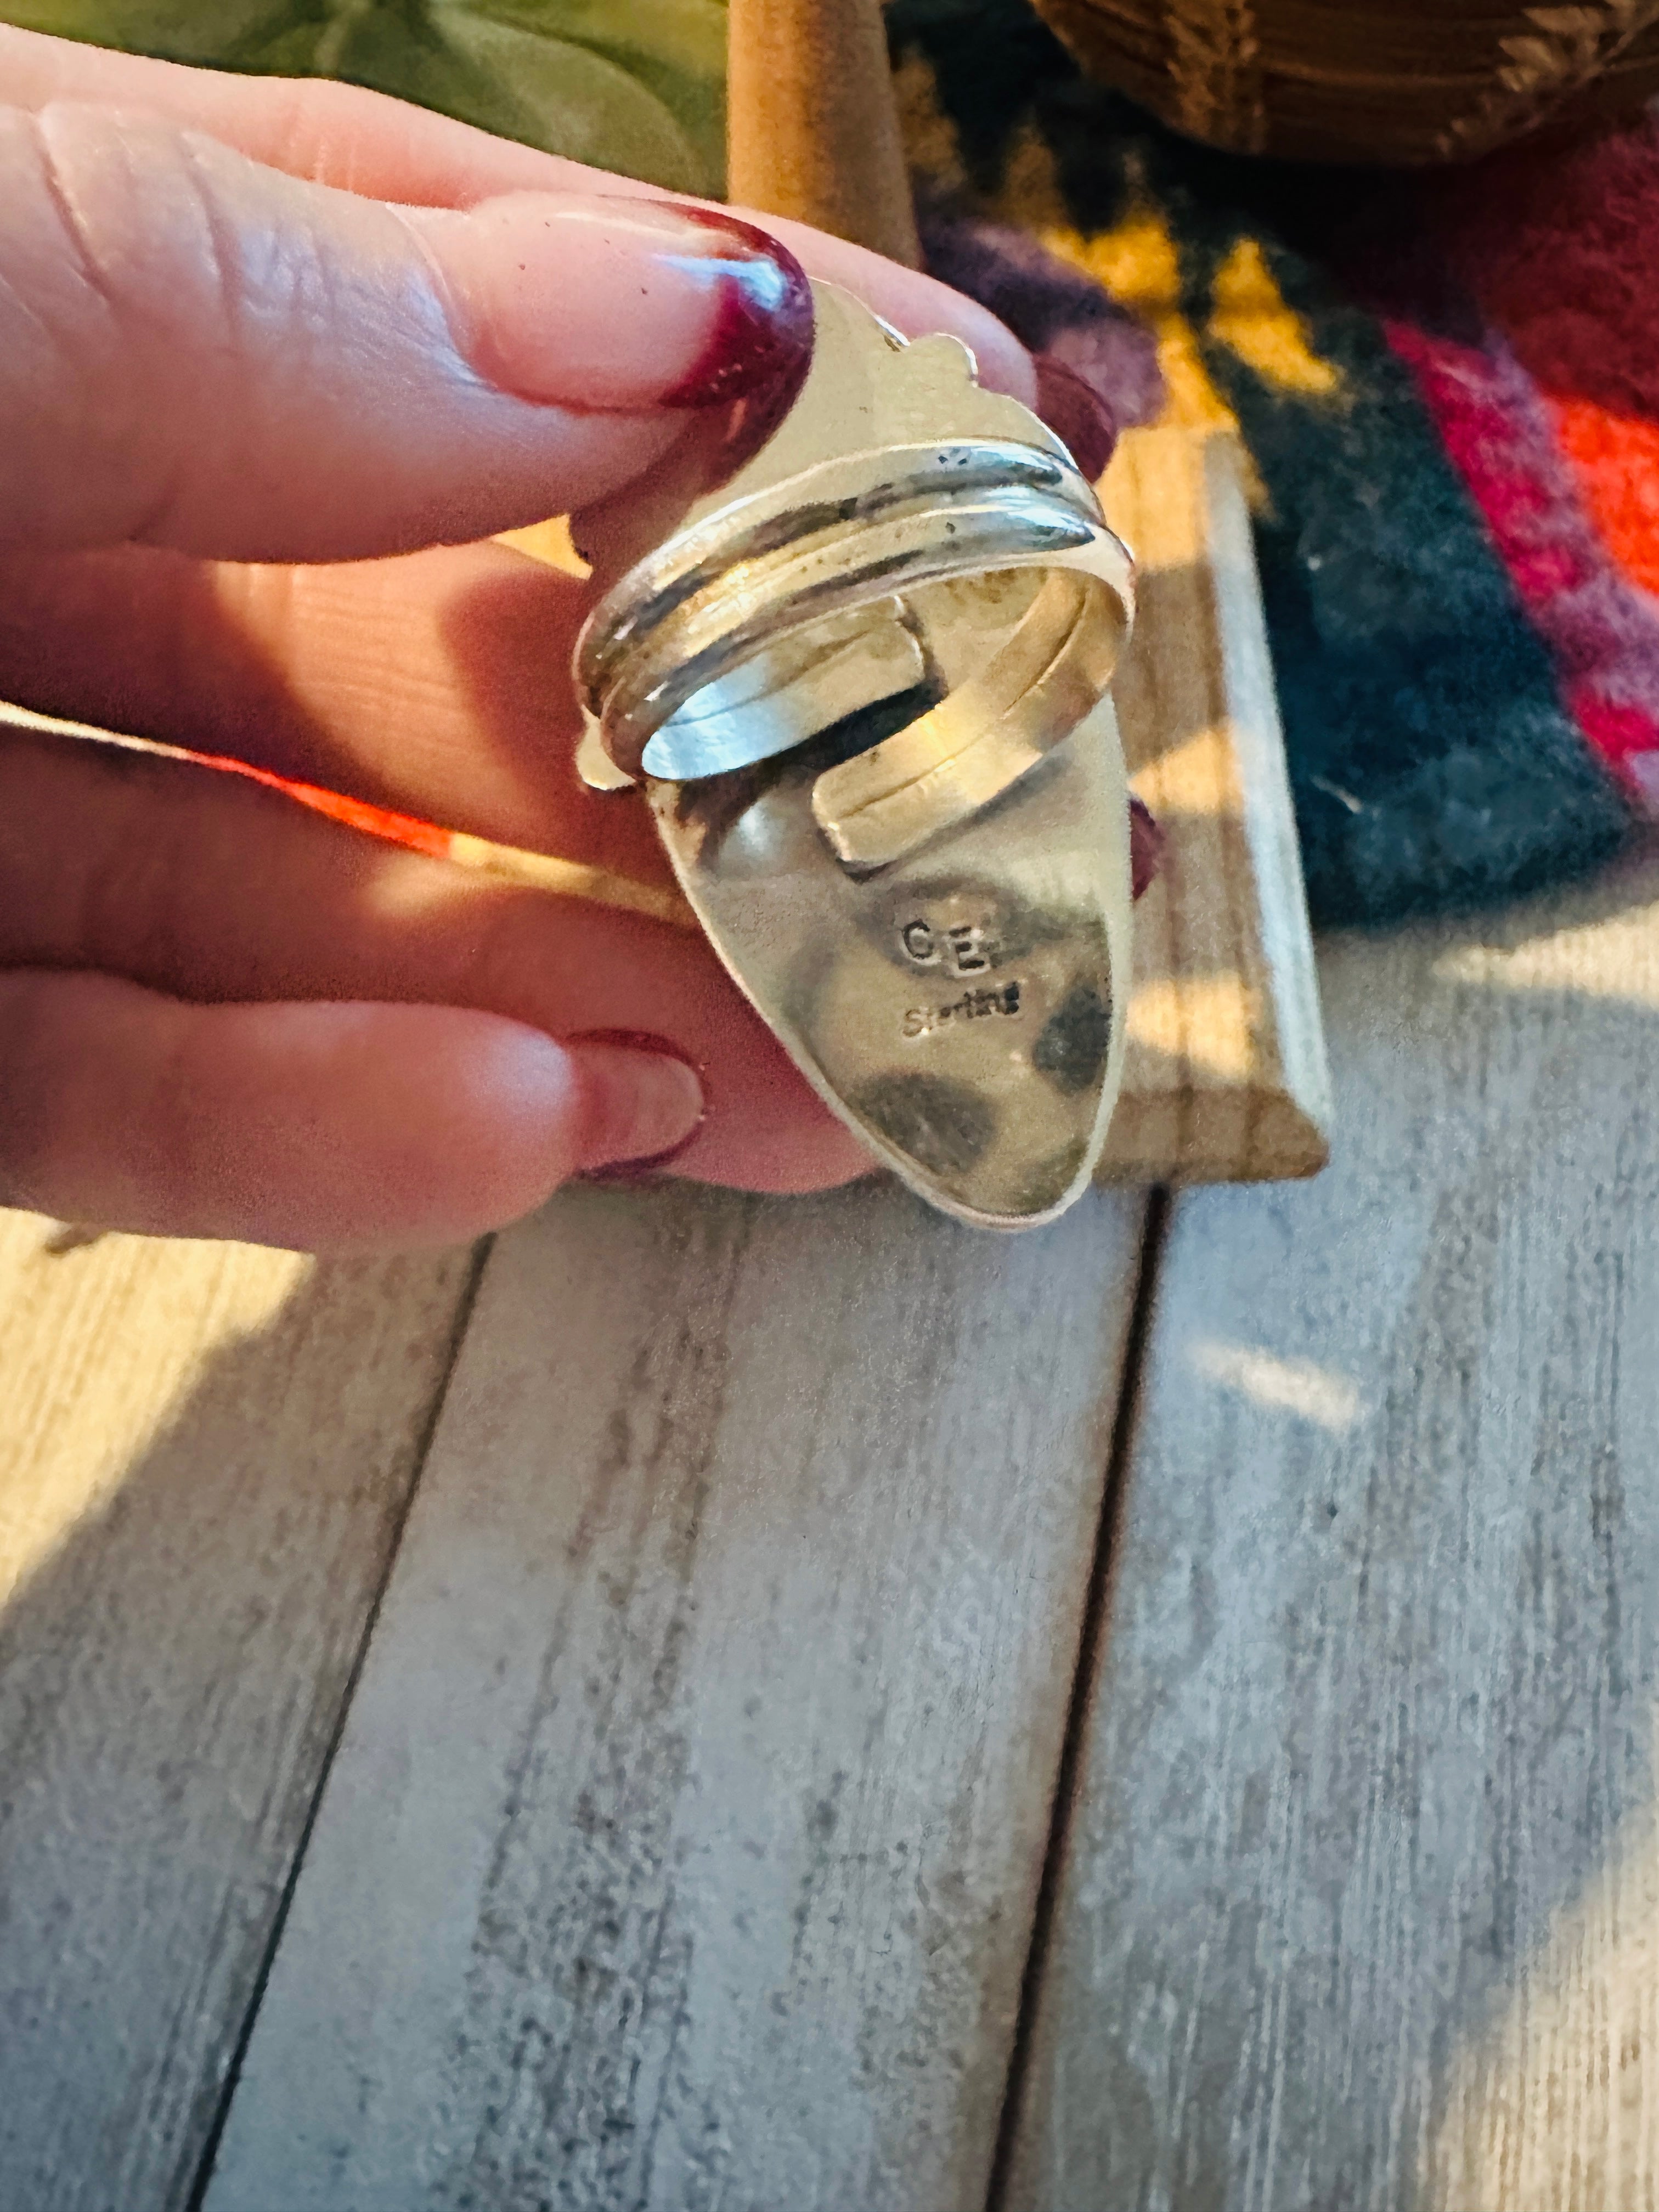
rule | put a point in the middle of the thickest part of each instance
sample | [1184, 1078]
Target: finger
[209, 889]
[321, 1128]
[436, 684]
[363, 142]
[198, 351]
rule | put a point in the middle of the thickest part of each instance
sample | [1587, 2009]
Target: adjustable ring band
[775, 616]
[842, 493]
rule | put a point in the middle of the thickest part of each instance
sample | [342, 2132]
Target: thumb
[199, 351]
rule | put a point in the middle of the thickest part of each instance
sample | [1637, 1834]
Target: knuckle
[83, 267]
[326, 125]
[51, 292]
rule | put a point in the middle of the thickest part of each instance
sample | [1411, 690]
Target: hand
[251, 333]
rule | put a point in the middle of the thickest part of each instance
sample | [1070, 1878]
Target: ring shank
[981, 569]
[982, 735]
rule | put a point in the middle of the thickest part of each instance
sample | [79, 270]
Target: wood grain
[811, 122]
[1361, 1902]
[1226, 1077]
[682, 1846]
[205, 1452]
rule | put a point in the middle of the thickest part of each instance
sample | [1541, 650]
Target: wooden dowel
[812, 128]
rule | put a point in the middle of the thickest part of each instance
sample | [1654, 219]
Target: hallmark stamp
[960, 948]
[973, 1006]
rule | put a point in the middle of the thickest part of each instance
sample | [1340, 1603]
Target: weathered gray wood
[1361, 1904]
[682, 1846]
[205, 1454]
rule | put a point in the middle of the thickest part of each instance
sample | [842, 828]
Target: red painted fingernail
[1146, 844]
[649, 1168]
[619, 305]
[761, 339]
[1076, 415]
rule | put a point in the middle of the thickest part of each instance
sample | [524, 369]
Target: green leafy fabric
[636, 86]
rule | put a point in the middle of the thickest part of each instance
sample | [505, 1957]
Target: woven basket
[1406, 82]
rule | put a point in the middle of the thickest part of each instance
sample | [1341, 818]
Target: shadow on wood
[205, 1454]
[1361, 1893]
[1226, 1078]
[682, 1843]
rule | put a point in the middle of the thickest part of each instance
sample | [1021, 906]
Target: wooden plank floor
[682, 1845]
[205, 1456]
[1360, 1897]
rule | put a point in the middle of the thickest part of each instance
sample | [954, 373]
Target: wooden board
[205, 1453]
[1226, 1078]
[682, 1846]
[813, 130]
[1360, 1905]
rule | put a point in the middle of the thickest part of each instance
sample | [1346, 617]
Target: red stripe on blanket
[1617, 458]
[1602, 634]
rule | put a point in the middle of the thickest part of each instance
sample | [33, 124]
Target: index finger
[362, 142]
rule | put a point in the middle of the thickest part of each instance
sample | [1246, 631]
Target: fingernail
[761, 338]
[1146, 842]
[618, 305]
[645, 1102]
[1076, 415]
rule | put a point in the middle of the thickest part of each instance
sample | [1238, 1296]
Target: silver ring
[928, 904]
[660, 664]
